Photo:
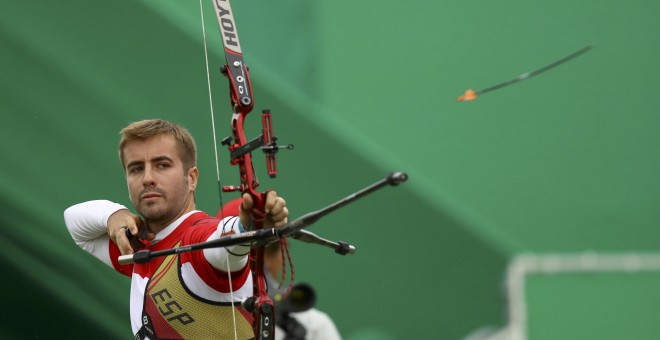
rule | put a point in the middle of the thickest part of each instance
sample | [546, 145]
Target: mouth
[150, 196]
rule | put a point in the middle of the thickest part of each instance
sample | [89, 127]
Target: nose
[148, 178]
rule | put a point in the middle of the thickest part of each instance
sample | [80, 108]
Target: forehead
[150, 148]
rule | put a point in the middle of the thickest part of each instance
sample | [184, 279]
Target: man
[177, 297]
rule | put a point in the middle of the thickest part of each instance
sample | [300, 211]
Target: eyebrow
[153, 160]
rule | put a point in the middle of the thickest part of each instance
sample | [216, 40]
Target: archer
[193, 295]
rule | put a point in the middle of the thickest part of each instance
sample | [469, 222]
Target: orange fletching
[469, 95]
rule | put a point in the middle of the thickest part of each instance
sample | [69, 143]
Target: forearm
[227, 259]
[87, 223]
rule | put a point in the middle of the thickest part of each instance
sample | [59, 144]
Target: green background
[605, 305]
[563, 162]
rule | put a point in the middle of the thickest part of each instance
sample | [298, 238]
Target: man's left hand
[276, 212]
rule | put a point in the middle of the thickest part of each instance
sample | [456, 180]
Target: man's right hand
[121, 221]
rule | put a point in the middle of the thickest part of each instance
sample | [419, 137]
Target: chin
[151, 212]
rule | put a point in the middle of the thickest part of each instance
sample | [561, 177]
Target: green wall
[563, 162]
[614, 305]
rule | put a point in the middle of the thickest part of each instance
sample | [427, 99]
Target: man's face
[158, 186]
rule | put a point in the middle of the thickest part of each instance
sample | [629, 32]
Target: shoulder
[198, 227]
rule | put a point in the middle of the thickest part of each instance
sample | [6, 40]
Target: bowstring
[208, 82]
[217, 162]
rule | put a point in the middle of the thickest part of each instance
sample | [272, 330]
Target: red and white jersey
[204, 273]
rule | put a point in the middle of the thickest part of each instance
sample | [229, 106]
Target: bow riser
[262, 305]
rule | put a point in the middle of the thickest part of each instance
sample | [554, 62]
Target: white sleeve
[87, 223]
[318, 324]
[227, 259]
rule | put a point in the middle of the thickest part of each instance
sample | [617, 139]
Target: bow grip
[258, 213]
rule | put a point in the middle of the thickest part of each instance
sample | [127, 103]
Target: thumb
[247, 203]
[245, 212]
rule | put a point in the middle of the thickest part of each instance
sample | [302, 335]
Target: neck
[156, 226]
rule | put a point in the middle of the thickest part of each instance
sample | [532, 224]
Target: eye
[163, 165]
[135, 169]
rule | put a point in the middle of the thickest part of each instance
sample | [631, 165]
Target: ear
[193, 175]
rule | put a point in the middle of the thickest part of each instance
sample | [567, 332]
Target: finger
[148, 236]
[278, 213]
[272, 202]
[245, 210]
[281, 223]
[139, 228]
[277, 207]
[134, 229]
[122, 241]
[281, 219]
[133, 223]
[277, 219]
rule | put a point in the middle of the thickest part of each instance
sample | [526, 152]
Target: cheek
[186, 187]
[133, 187]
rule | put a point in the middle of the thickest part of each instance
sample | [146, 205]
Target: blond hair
[145, 129]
